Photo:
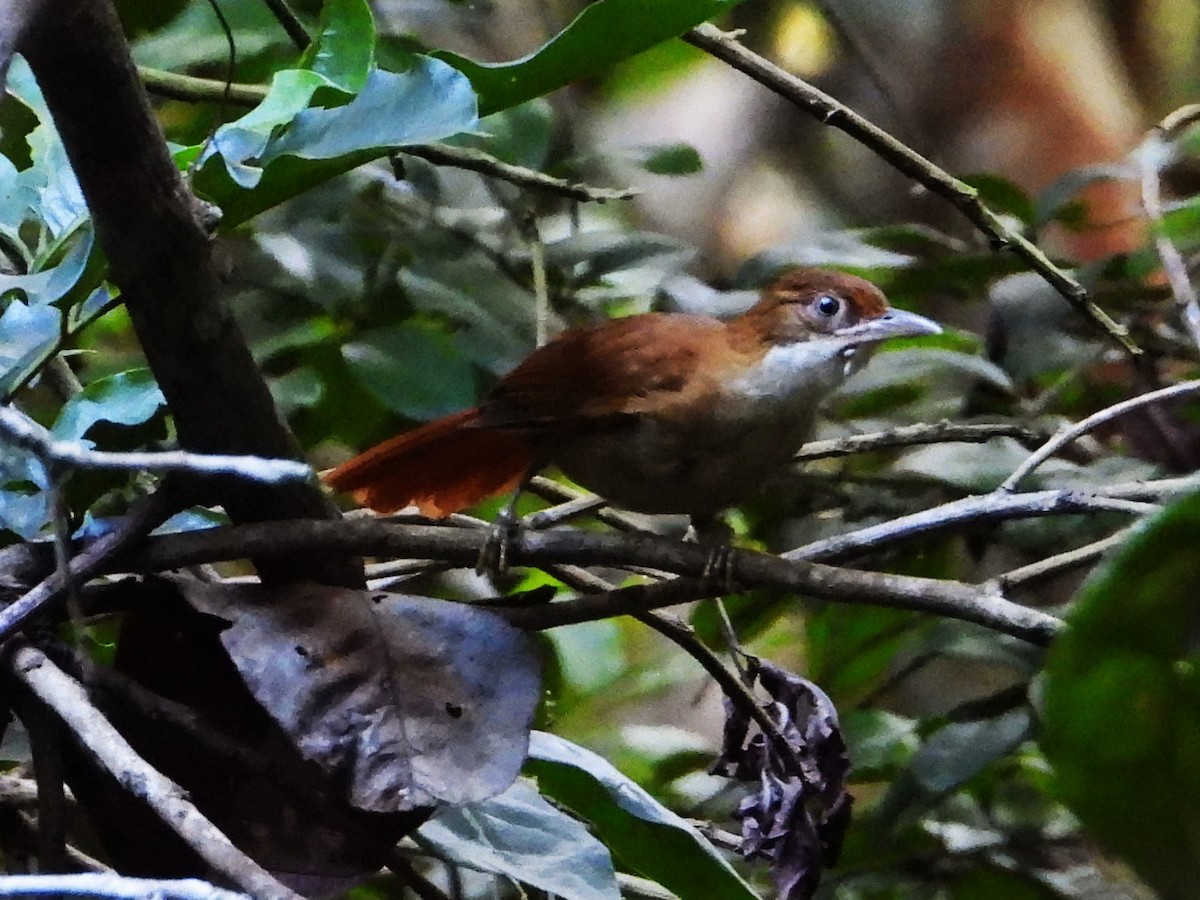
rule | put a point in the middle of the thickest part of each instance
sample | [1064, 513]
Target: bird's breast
[714, 452]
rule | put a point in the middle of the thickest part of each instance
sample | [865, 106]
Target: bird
[659, 412]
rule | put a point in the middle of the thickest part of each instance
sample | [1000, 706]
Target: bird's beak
[893, 323]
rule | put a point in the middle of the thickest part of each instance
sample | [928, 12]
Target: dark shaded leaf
[1122, 702]
[412, 368]
[642, 833]
[603, 34]
[519, 835]
[1054, 200]
[958, 752]
[410, 701]
[797, 817]
[589, 255]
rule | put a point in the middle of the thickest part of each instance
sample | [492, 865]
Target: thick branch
[568, 546]
[159, 257]
[964, 198]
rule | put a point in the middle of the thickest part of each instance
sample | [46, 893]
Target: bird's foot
[494, 554]
[717, 537]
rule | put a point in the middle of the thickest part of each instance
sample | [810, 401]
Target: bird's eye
[828, 306]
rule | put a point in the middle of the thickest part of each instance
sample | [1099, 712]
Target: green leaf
[240, 143]
[1122, 703]
[413, 369]
[427, 103]
[646, 836]
[879, 741]
[264, 166]
[344, 49]
[519, 835]
[127, 398]
[671, 159]
[1002, 195]
[605, 33]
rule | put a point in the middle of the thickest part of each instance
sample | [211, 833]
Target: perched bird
[658, 413]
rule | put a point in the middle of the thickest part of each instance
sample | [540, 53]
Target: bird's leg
[716, 536]
[493, 555]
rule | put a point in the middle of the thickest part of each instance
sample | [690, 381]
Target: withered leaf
[409, 701]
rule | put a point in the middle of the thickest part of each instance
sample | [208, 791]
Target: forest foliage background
[394, 224]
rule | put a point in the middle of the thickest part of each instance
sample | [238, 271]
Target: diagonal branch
[67, 698]
[961, 195]
[1067, 435]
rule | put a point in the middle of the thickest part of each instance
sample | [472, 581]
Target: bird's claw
[717, 537]
[493, 555]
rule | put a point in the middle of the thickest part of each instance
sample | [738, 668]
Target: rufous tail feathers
[442, 467]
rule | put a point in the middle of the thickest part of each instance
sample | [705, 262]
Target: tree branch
[1067, 435]
[961, 195]
[20, 430]
[118, 887]
[944, 432]
[991, 507]
[374, 537]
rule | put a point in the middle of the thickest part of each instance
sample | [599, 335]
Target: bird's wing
[618, 368]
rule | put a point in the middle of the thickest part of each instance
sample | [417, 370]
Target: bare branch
[944, 432]
[67, 698]
[1154, 153]
[1051, 566]
[1081, 428]
[961, 195]
[991, 507]
[568, 546]
[20, 430]
[486, 164]
[118, 887]
[291, 23]
[189, 88]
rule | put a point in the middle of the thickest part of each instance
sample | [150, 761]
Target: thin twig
[69, 701]
[944, 432]
[684, 636]
[21, 431]
[961, 195]
[991, 507]
[1025, 576]
[486, 164]
[143, 517]
[1155, 152]
[118, 887]
[189, 88]
[291, 23]
[1067, 435]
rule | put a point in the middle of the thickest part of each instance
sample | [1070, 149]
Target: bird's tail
[442, 467]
